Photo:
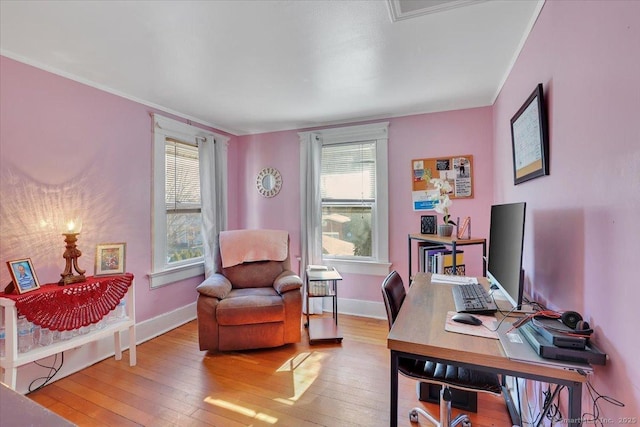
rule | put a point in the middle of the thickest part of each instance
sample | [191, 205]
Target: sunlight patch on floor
[305, 368]
[241, 410]
[294, 362]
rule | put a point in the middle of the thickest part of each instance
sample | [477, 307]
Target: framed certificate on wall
[530, 139]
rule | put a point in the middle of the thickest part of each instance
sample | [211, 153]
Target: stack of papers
[453, 280]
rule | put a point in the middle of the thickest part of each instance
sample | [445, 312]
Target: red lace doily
[64, 308]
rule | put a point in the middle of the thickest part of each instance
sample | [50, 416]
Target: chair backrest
[393, 294]
[253, 274]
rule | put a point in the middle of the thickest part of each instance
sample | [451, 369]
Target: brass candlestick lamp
[71, 254]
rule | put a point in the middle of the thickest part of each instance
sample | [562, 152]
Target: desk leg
[132, 346]
[409, 259]
[393, 421]
[453, 255]
[335, 301]
[306, 297]
[575, 404]
[117, 344]
[11, 377]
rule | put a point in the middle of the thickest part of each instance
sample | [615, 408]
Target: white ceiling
[257, 66]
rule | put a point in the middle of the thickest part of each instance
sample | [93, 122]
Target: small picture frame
[110, 259]
[23, 275]
[428, 224]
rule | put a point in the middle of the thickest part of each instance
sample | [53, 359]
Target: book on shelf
[448, 258]
[438, 260]
[460, 270]
[425, 249]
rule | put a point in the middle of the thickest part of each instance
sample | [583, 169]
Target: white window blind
[349, 172]
[182, 185]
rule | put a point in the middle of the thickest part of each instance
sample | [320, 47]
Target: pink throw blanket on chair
[238, 246]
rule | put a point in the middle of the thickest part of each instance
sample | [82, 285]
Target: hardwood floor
[175, 384]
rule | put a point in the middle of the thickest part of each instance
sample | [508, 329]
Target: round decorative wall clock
[269, 182]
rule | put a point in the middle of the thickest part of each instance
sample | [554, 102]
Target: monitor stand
[505, 306]
[525, 309]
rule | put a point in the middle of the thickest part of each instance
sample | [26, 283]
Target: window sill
[373, 268]
[175, 274]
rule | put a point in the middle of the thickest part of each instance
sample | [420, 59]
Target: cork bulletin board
[458, 170]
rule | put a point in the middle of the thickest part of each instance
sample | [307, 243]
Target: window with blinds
[182, 198]
[348, 190]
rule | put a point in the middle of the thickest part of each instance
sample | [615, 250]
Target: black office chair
[446, 376]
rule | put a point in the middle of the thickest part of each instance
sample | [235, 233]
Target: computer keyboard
[472, 298]
[454, 280]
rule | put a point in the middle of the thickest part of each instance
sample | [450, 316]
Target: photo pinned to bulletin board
[458, 170]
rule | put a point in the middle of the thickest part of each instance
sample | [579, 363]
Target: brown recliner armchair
[253, 299]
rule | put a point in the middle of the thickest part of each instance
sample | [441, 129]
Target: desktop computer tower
[461, 399]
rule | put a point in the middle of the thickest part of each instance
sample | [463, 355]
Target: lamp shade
[72, 226]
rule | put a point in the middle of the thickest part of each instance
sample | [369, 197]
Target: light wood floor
[175, 384]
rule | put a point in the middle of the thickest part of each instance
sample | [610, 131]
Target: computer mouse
[466, 318]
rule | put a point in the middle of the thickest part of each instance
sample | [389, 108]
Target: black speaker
[571, 318]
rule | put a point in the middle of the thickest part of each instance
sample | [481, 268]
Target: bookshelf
[448, 242]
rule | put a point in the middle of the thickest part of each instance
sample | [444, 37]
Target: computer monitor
[506, 242]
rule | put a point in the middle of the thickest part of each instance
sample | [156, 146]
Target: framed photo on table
[23, 275]
[110, 259]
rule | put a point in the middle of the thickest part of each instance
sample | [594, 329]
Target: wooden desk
[418, 332]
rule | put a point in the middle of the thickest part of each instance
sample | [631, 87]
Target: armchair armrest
[215, 286]
[287, 281]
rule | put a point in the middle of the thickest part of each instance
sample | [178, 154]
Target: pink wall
[281, 151]
[581, 249]
[419, 136]
[66, 146]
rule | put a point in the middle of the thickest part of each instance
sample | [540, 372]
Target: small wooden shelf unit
[451, 242]
[323, 284]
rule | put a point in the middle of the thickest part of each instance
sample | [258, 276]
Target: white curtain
[310, 209]
[213, 189]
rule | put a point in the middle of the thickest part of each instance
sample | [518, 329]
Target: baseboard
[84, 356]
[159, 325]
[372, 309]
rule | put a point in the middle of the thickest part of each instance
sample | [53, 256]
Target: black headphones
[573, 319]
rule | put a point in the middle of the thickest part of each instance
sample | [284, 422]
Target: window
[182, 196]
[177, 209]
[352, 203]
[348, 189]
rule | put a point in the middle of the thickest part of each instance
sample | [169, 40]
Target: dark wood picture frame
[23, 275]
[530, 138]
